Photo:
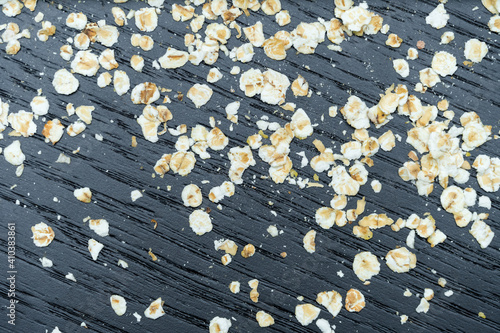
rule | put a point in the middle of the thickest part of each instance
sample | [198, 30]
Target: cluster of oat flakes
[442, 148]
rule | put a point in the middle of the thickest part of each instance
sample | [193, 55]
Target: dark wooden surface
[188, 275]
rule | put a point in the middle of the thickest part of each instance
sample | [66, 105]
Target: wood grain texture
[188, 275]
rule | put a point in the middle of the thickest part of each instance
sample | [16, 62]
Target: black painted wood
[188, 275]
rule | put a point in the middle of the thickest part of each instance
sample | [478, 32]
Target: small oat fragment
[200, 222]
[362, 232]
[53, 131]
[428, 294]
[354, 300]
[428, 77]
[135, 194]
[482, 233]
[46, 262]
[182, 162]
[66, 52]
[444, 63]
[412, 53]
[83, 194]
[401, 260]
[255, 34]
[104, 80]
[13, 153]
[438, 17]
[331, 300]
[273, 231]
[301, 124]
[152, 255]
[71, 277]
[76, 128]
[43, 235]
[118, 304]
[264, 319]
[146, 19]
[145, 93]
[182, 13]
[199, 94]
[234, 286]
[173, 58]
[122, 263]
[404, 319]
[107, 59]
[494, 23]
[325, 217]
[22, 123]
[401, 67]
[94, 248]
[300, 87]
[283, 18]
[191, 196]
[309, 241]
[155, 309]
[306, 313]
[442, 282]
[85, 63]
[365, 265]
[423, 306]
[248, 251]
[394, 41]
[119, 16]
[447, 37]
[100, 227]
[137, 62]
[324, 326]
[64, 82]
[214, 75]
[121, 82]
[81, 41]
[475, 50]
[76, 21]
[219, 325]
[84, 112]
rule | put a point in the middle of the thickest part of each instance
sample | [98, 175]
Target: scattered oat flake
[219, 325]
[43, 235]
[423, 306]
[264, 319]
[309, 241]
[71, 277]
[64, 82]
[438, 17]
[100, 227]
[155, 309]
[46, 262]
[118, 304]
[365, 265]
[354, 300]
[475, 50]
[331, 300]
[199, 94]
[234, 286]
[94, 248]
[13, 153]
[401, 260]
[200, 222]
[306, 313]
[135, 194]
